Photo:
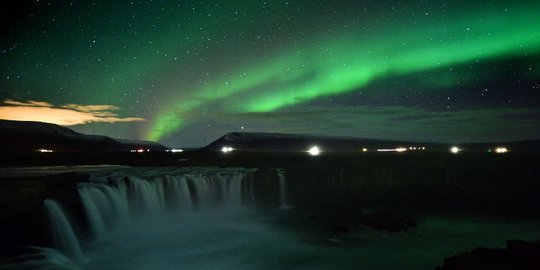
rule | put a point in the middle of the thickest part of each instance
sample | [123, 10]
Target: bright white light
[399, 149]
[140, 150]
[501, 150]
[45, 150]
[455, 150]
[226, 149]
[177, 150]
[364, 149]
[314, 151]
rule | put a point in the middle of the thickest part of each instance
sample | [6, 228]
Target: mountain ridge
[30, 136]
[265, 141]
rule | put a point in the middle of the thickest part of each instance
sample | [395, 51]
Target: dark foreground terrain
[338, 191]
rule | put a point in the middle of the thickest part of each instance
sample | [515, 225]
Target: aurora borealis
[454, 71]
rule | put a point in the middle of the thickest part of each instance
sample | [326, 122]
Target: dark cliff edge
[21, 208]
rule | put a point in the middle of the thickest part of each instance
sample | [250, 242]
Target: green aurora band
[342, 62]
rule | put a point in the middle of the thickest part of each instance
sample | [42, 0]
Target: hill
[25, 136]
[248, 141]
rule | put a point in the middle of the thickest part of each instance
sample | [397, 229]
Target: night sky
[185, 72]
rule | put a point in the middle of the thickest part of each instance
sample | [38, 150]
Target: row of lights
[399, 149]
[314, 150]
[174, 150]
[139, 150]
[498, 150]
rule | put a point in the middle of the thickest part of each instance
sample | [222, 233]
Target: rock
[520, 255]
[21, 207]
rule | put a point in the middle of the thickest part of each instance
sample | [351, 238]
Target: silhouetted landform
[518, 255]
[23, 136]
[271, 142]
[253, 141]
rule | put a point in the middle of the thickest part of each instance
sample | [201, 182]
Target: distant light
[364, 149]
[314, 151]
[45, 150]
[423, 148]
[399, 149]
[501, 150]
[176, 150]
[455, 150]
[140, 150]
[227, 149]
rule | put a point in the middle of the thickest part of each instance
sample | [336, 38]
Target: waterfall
[109, 202]
[64, 237]
[283, 193]
[114, 200]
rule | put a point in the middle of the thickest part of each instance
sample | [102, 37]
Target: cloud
[66, 115]
[90, 108]
[31, 103]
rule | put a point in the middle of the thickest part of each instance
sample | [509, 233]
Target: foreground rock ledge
[522, 255]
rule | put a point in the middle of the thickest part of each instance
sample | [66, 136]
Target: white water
[62, 232]
[283, 191]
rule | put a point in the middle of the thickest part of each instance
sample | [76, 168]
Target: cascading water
[283, 192]
[62, 232]
[108, 202]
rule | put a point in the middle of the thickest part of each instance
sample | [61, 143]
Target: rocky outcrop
[21, 215]
[518, 255]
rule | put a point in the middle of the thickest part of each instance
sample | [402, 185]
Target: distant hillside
[248, 141]
[298, 142]
[29, 136]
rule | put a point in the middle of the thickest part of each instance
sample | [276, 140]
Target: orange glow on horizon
[68, 115]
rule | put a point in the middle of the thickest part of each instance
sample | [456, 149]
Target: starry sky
[186, 72]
